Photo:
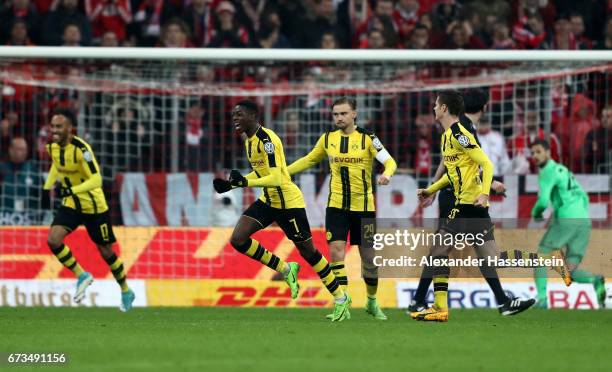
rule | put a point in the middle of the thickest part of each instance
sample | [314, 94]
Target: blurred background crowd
[327, 24]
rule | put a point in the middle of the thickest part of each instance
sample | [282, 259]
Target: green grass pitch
[256, 339]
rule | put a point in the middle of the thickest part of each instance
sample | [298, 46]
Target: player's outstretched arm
[437, 186]
[222, 186]
[440, 172]
[271, 180]
[313, 158]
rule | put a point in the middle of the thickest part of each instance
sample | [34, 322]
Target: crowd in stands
[328, 24]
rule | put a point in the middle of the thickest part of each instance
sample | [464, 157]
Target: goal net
[161, 131]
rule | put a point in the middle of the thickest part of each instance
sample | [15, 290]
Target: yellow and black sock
[371, 287]
[340, 272]
[321, 267]
[64, 255]
[369, 272]
[440, 282]
[116, 267]
[253, 249]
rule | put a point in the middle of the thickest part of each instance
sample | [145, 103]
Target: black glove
[62, 191]
[221, 185]
[237, 179]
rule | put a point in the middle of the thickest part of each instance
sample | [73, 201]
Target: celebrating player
[80, 188]
[281, 202]
[463, 159]
[570, 225]
[351, 151]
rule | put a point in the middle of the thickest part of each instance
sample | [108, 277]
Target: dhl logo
[151, 253]
[256, 293]
[269, 296]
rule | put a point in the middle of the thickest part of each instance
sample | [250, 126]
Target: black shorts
[98, 225]
[293, 221]
[469, 219]
[338, 224]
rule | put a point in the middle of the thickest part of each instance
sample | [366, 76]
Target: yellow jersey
[267, 159]
[350, 160]
[463, 158]
[75, 166]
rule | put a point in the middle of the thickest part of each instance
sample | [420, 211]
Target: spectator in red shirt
[406, 16]
[529, 32]
[109, 15]
[598, 144]
[573, 130]
[544, 8]
[421, 152]
[519, 146]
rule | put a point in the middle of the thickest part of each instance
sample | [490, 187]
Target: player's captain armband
[383, 156]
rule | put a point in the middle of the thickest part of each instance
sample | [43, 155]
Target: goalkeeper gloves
[62, 191]
[537, 215]
[237, 179]
[221, 185]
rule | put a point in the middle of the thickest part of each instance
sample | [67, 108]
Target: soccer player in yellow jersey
[351, 152]
[79, 185]
[281, 202]
[463, 159]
